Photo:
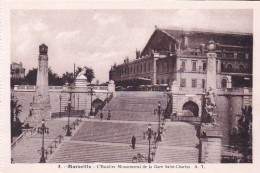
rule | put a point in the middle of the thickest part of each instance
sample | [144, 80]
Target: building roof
[174, 30]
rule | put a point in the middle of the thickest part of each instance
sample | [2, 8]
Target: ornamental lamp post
[78, 104]
[91, 93]
[69, 109]
[60, 105]
[41, 130]
[149, 134]
[159, 110]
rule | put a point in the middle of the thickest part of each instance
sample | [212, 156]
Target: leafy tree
[16, 125]
[31, 77]
[89, 73]
[54, 79]
[68, 77]
[241, 138]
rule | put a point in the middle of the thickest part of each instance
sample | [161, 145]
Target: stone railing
[54, 144]
[190, 90]
[234, 90]
[185, 118]
[22, 136]
[24, 87]
[55, 88]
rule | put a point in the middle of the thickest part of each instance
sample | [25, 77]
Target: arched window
[241, 67]
[162, 81]
[229, 66]
[224, 83]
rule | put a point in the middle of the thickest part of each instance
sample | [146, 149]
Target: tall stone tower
[41, 99]
[211, 66]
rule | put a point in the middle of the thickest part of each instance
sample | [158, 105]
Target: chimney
[185, 41]
[137, 54]
[202, 48]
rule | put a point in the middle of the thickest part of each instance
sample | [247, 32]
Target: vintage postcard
[129, 86]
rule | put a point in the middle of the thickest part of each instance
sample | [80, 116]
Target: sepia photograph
[131, 86]
[138, 86]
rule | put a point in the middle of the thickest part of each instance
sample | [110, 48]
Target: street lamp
[149, 133]
[78, 104]
[69, 109]
[12, 95]
[60, 105]
[159, 110]
[41, 130]
[91, 93]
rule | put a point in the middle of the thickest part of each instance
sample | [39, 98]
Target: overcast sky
[98, 38]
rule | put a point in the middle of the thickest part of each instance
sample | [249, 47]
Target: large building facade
[181, 55]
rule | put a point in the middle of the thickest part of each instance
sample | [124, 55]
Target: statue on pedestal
[210, 107]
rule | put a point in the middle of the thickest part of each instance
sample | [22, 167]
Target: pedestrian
[133, 141]
[109, 115]
[101, 115]
[30, 109]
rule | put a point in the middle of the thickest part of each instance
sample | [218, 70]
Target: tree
[31, 77]
[16, 125]
[54, 79]
[89, 73]
[241, 138]
[68, 77]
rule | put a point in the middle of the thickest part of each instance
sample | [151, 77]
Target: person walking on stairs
[133, 142]
[109, 115]
[101, 115]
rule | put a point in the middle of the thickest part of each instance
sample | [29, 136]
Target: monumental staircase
[109, 141]
[134, 106]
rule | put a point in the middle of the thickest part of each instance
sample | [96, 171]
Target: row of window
[193, 83]
[194, 66]
[139, 68]
[163, 81]
[204, 66]
[164, 65]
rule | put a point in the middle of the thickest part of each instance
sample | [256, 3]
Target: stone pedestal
[174, 90]
[111, 87]
[210, 143]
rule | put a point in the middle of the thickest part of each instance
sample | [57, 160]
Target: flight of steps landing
[103, 141]
[134, 106]
[178, 144]
[84, 152]
[27, 151]
[112, 132]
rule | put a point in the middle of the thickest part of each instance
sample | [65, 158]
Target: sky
[100, 38]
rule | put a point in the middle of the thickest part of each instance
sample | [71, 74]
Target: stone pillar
[154, 70]
[210, 144]
[41, 100]
[174, 90]
[211, 66]
[111, 87]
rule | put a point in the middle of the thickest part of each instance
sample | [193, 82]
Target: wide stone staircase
[112, 132]
[134, 106]
[28, 150]
[109, 141]
[84, 152]
[179, 144]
